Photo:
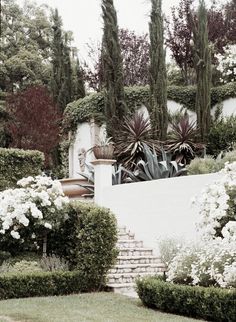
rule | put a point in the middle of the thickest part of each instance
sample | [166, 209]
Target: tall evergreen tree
[65, 92]
[202, 63]
[78, 81]
[158, 77]
[115, 107]
[57, 57]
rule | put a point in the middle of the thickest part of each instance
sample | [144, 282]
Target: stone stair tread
[121, 285]
[131, 274]
[138, 265]
[138, 257]
[137, 249]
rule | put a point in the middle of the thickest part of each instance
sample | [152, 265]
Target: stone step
[128, 277]
[127, 289]
[127, 243]
[122, 230]
[136, 251]
[136, 268]
[121, 260]
[126, 235]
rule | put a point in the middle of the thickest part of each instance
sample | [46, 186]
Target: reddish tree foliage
[35, 121]
[135, 54]
[180, 31]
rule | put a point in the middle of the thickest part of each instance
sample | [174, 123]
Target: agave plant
[155, 167]
[117, 177]
[183, 140]
[134, 133]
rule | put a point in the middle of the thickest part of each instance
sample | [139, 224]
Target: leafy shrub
[222, 136]
[210, 165]
[211, 304]
[45, 284]
[169, 248]
[16, 164]
[86, 240]
[203, 165]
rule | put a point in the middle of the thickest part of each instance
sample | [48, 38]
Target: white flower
[15, 234]
[47, 225]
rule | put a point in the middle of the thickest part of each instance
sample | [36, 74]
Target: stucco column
[102, 178]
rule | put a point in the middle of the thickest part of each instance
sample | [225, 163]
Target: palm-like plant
[134, 133]
[183, 140]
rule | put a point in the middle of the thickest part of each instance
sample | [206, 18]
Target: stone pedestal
[102, 178]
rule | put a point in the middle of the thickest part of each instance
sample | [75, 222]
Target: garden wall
[158, 208]
[88, 133]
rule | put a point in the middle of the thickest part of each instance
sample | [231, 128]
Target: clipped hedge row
[93, 104]
[44, 284]
[211, 304]
[16, 164]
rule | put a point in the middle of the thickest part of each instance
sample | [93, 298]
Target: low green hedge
[16, 164]
[44, 284]
[211, 304]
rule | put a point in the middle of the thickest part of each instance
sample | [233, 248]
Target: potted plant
[104, 150]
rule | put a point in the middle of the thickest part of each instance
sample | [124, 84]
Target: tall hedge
[87, 240]
[16, 164]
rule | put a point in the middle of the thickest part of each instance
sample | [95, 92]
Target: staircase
[134, 261]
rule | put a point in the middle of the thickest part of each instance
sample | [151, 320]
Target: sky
[83, 17]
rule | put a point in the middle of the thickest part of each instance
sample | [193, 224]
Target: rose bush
[213, 260]
[37, 204]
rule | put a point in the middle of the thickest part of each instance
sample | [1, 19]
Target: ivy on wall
[92, 106]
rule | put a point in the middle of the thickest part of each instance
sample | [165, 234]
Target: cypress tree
[65, 92]
[115, 107]
[158, 77]
[202, 64]
[57, 56]
[78, 81]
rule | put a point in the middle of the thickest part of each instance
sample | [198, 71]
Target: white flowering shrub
[227, 64]
[37, 204]
[213, 260]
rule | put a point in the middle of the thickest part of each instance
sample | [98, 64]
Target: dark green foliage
[158, 75]
[211, 304]
[115, 107]
[87, 241]
[78, 82]
[45, 284]
[222, 136]
[202, 65]
[92, 106]
[16, 164]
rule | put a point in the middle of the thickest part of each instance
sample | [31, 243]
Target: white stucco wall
[159, 208]
[229, 107]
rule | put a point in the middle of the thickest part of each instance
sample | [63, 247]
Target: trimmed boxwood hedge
[16, 164]
[87, 240]
[93, 105]
[44, 284]
[211, 303]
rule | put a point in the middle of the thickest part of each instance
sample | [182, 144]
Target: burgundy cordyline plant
[135, 132]
[183, 140]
